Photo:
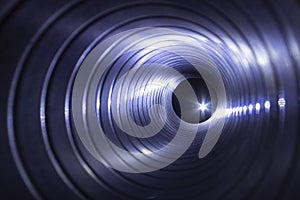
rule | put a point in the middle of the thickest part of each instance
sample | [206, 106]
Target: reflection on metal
[87, 93]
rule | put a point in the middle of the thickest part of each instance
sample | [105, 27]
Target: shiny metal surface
[88, 89]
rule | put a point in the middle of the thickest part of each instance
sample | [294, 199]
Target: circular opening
[203, 107]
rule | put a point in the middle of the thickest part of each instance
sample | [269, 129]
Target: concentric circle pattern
[150, 99]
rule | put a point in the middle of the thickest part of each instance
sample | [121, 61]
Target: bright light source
[250, 107]
[202, 107]
[257, 106]
[281, 102]
[267, 105]
[240, 110]
[235, 111]
[245, 108]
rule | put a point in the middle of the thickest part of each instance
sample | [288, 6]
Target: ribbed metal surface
[251, 47]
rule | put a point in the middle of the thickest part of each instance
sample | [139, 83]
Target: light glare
[281, 102]
[202, 107]
[267, 105]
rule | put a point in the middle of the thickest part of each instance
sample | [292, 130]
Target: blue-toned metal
[252, 128]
